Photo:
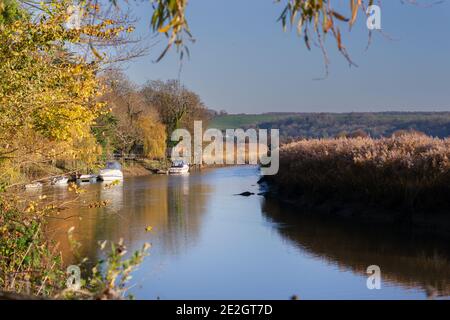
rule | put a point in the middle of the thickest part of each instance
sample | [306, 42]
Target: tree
[153, 137]
[176, 105]
[104, 131]
[137, 127]
[48, 94]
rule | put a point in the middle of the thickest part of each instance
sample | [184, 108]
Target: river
[208, 243]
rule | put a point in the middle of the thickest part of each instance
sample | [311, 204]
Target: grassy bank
[406, 174]
[144, 167]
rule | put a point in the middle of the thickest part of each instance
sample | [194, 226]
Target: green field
[322, 125]
[233, 121]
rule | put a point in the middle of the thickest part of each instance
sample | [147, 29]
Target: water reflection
[172, 205]
[113, 195]
[209, 243]
[405, 259]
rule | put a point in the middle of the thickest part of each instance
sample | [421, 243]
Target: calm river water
[208, 243]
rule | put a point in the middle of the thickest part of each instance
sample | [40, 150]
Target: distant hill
[318, 125]
[231, 121]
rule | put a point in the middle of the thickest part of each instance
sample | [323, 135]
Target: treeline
[383, 124]
[140, 120]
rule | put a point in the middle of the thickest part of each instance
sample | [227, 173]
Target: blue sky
[242, 61]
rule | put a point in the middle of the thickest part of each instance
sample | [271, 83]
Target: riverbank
[144, 167]
[403, 181]
[149, 167]
[135, 170]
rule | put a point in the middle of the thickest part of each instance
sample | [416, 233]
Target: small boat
[112, 172]
[179, 167]
[60, 181]
[91, 178]
[34, 186]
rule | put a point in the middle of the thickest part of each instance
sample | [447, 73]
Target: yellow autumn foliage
[154, 137]
[48, 94]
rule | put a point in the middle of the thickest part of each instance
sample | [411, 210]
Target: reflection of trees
[172, 205]
[78, 215]
[186, 207]
[113, 195]
[405, 259]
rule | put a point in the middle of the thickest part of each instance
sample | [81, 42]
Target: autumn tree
[177, 106]
[137, 127]
[154, 137]
[48, 94]
[49, 101]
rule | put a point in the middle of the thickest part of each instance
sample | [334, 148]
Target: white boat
[179, 167]
[112, 172]
[60, 181]
[91, 178]
[33, 186]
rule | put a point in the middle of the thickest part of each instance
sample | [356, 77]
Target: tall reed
[409, 170]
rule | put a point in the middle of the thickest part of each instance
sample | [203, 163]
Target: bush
[29, 264]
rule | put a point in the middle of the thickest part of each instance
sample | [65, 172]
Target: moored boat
[112, 172]
[60, 181]
[34, 186]
[91, 178]
[179, 167]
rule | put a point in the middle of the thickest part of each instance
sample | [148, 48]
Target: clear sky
[242, 61]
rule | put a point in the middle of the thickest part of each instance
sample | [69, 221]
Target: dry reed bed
[411, 171]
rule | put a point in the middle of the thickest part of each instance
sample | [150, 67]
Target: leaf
[95, 52]
[355, 7]
[338, 39]
[328, 25]
[307, 42]
[339, 16]
[164, 52]
[165, 29]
